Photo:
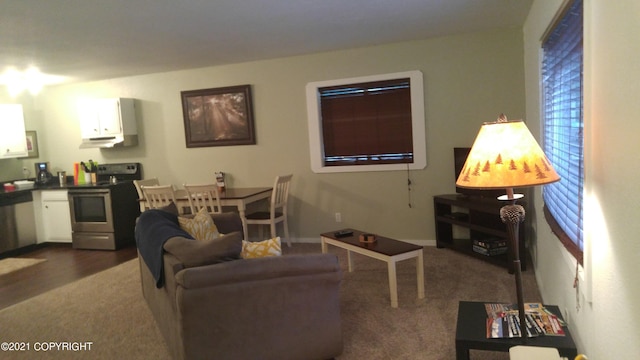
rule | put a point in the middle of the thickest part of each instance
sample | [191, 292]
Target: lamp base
[512, 215]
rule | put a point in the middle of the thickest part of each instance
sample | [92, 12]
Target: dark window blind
[367, 123]
[563, 125]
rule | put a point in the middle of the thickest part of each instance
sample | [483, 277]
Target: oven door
[91, 210]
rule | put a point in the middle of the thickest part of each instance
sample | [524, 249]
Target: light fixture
[31, 79]
[505, 156]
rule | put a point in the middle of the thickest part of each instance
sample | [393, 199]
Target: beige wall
[607, 324]
[468, 79]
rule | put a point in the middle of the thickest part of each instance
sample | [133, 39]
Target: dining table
[235, 197]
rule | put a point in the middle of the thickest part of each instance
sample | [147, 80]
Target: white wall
[607, 325]
[469, 79]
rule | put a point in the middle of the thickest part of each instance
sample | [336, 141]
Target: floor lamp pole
[512, 215]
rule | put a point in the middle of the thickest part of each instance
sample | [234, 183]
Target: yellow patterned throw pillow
[265, 248]
[201, 227]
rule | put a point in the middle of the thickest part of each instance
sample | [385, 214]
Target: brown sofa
[212, 307]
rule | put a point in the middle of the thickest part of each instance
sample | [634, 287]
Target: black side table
[471, 334]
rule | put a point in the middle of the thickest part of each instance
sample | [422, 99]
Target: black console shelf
[481, 216]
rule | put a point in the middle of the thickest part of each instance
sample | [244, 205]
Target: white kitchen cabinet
[107, 122]
[56, 218]
[13, 141]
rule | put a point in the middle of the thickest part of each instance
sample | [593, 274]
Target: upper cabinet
[13, 142]
[107, 122]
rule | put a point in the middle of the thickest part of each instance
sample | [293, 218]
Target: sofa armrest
[250, 270]
[194, 253]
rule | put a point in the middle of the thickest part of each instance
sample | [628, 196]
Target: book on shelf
[489, 252]
[490, 247]
[493, 243]
[503, 321]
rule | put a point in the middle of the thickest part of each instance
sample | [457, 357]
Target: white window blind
[563, 125]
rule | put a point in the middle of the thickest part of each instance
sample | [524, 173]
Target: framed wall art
[218, 116]
[32, 144]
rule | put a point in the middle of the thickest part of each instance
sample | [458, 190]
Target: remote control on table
[343, 233]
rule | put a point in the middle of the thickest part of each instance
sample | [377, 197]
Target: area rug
[104, 312]
[10, 265]
[108, 311]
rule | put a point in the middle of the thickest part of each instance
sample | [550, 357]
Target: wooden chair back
[280, 194]
[203, 195]
[277, 209]
[144, 182]
[159, 196]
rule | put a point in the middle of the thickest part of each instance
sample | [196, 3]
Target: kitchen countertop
[16, 196]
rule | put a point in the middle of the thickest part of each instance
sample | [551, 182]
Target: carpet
[107, 310]
[10, 265]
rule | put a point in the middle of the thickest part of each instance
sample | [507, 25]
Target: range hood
[107, 123]
[110, 142]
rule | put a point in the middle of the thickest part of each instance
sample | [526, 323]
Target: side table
[471, 334]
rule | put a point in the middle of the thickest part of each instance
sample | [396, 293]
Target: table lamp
[505, 156]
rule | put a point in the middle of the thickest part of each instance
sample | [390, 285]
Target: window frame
[418, 128]
[568, 242]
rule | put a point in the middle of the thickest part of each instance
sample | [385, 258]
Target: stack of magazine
[503, 321]
[490, 247]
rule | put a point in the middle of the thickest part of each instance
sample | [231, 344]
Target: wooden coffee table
[389, 250]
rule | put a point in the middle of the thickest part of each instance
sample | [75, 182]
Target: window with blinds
[367, 123]
[562, 76]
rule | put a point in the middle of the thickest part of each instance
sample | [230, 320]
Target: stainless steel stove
[121, 172]
[103, 216]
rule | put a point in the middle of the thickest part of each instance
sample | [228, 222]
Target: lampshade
[505, 155]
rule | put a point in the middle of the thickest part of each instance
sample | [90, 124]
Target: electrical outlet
[338, 217]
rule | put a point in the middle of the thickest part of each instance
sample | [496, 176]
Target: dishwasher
[17, 220]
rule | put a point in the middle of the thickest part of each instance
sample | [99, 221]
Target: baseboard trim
[314, 240]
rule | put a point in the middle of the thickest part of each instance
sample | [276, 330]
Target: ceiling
[94, 40]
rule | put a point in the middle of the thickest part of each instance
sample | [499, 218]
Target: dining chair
[159, 196]
[145, 182]
[277, 209]
[203, 195]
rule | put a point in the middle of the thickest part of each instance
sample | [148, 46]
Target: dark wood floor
[64, 265]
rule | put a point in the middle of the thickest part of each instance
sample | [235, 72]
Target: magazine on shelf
[490, 247]
[489, 252]
[491, 243]
[503, 321]
[495, 310]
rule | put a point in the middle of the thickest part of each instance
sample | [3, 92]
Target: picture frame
[218, 116]
[32, 144]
